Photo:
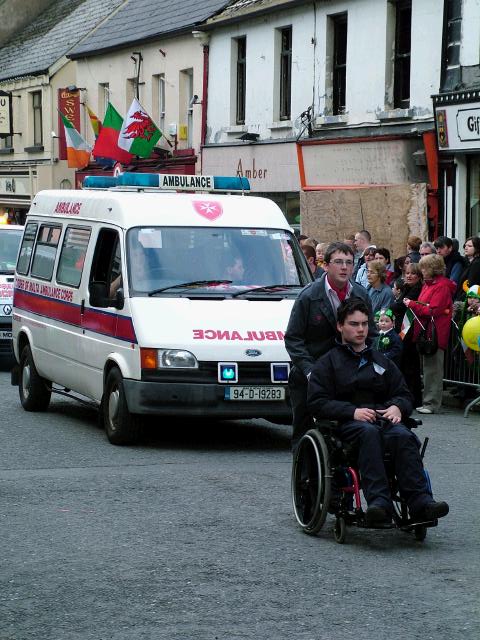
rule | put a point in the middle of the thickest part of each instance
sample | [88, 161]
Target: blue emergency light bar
[168, 181]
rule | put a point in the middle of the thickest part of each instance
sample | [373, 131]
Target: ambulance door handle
[82, 308]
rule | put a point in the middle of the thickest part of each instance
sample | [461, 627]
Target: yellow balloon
[471, 333]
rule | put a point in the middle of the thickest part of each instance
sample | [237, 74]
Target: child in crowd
[398, 288]
[388, 342]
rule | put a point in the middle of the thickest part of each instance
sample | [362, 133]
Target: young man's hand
[393, 414]
[365, 415]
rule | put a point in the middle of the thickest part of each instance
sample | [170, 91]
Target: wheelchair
[325, 480]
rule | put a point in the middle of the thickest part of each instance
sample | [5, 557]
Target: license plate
[254, 393]
[5, 335]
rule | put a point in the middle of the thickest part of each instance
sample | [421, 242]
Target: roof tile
[52, 35]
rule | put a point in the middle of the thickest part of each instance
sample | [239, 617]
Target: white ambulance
[150, 301]
[10, 237]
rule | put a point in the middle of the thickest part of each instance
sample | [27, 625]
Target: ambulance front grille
[207, 373]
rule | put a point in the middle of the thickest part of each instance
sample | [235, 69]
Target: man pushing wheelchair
[367, 396]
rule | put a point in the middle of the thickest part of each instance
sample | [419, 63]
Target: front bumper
[6, 344]
[181, 399]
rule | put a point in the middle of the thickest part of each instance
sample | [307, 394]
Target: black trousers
[298, 385]
[373, 440]
[410, 367]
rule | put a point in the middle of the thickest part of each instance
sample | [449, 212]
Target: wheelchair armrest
[327, 426]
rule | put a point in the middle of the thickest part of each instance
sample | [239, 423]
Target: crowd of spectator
[412, 297]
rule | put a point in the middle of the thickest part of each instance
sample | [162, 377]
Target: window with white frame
[37, 118]
[161, 101]
[403, 45]
[130, 92]
[339, 77]
[103, 97]
[241, 71]
[158, 100]
[285, 73]
[186, 105]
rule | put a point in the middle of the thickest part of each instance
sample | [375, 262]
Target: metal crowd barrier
[462, 368]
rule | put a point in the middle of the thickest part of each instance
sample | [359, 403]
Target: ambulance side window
[45, 251]
[26, 249]
[72, 257]
[107, 262]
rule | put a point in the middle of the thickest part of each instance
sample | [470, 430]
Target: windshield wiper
[266, 288]
[194, 283]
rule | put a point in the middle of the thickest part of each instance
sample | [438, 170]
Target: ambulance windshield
[172, 260]
[9, 243]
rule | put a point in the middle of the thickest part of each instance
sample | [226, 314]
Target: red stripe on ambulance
[109, 324]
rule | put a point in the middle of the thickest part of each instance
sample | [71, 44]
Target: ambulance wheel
[121, 426]
[35, 391]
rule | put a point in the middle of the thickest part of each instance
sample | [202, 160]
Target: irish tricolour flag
[78, 150]
[139, 134]
[406, 323]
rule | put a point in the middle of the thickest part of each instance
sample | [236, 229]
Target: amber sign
[69, 105]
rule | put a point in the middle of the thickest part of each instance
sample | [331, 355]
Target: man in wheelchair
[367, 395]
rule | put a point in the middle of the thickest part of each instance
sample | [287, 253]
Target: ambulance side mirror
[98, 295]
[119, 299]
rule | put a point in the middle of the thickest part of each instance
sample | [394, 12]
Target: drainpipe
[206, 51]
[203, 39]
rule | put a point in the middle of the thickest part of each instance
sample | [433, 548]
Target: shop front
[271, 168]
[17, 187]
[457, 117]
[380, 182]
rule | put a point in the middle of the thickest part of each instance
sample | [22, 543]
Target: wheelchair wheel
[400, 511]
[311, 482]
[340, 530]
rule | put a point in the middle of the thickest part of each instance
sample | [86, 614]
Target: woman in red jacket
[434, 301]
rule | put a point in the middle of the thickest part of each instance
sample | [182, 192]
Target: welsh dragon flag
[78, 151]
[106, 145]
[139, 133]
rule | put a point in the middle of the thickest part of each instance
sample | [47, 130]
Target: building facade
[457, 112]
[146, 50]
[36, 79]
[332, 99]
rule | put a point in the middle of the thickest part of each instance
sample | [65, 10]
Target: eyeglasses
[339, 262]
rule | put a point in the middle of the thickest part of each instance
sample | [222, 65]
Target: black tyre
[311, 482]
[121, 426]
[35, 392]
[420, 532]
[340, 530]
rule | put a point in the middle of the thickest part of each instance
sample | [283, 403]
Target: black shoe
[433, 510]
[377, 516]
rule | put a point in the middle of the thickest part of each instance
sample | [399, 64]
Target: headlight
[176, 359]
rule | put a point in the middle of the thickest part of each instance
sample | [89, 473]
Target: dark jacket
[472, 274]
[391, 345]
[312, 328]
[340, 383]
[454, 266]
[399, 309]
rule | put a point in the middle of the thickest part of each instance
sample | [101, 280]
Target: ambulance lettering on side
[10, 237]
[150, 300]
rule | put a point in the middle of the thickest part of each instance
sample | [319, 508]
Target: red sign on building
[69, 105]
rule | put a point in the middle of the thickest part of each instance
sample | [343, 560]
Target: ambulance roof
[142, 208]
